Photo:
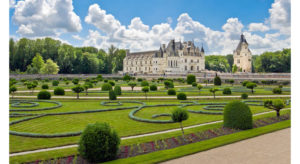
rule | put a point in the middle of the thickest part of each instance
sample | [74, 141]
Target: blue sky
[215, 23]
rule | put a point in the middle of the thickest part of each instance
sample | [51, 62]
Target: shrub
[75, 81]
[244, 96]
[139, 79]
[144, 83]
[199, 88]
[105, 80]
[44, 95]
[181, 96]
[231, 81]
[179, 115]
[111, 83]
[213, 90]
[244, 83]
[153, 87]
[106, 87]
[237, 115]
[227, 91]
[55, 83]
[194, 84]
[217, 81]
[132, 85]
[118, 90]
[126, 77]
[168, 84]
[45, 86]
[145, 90]
[171, 92]
[67, 82]
[99, 77]
[78, 89]
[12, 90]
[190, 79]
[112, 95]
[280, 86]
[98, 143]
[277, 90]
[59, 91]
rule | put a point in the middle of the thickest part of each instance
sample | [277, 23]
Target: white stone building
[177, 57]
[242, 56]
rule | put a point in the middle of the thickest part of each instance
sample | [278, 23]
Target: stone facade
[242, 56]
[176, 57]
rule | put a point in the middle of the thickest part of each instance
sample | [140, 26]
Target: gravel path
[129, 137]
[272, 148]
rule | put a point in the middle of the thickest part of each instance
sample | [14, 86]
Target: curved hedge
[17, 104]
[158, 115]
[58, 104]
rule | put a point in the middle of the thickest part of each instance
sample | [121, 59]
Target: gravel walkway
[274, 148]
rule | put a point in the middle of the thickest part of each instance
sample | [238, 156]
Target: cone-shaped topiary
[237, 115]
[99, 143]
[112, 95]
[217, 81]
[118, 90]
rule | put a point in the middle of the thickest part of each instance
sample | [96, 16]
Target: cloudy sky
[144, 25]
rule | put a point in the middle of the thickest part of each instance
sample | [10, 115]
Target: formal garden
[136, 129]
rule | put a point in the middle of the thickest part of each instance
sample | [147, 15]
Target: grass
[208, 143]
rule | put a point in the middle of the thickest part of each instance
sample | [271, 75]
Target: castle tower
[242, 56]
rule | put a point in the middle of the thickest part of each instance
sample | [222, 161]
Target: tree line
[69, 59]
[46, 55]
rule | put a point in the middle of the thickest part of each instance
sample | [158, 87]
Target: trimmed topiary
[277, 90]
[75, 81]
[139, 79]
[194, 84]
[244, 96]
[111, 83]
[112, 95]
[181, 96]
[168, 84]
[217, 81]
[99, 143]
[55, 83]
[237, 115]
[244, 83]
[106, 87]
[190, 79]
[59, 91]
[126, 77]
[153, 87]
[171, 92]
[227, 91]
[45, 86]
[179, 115]
[118, 90]
[144, 83]
[251, 85]
[45, 95]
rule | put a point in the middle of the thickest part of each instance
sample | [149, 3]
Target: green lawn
[119, 120]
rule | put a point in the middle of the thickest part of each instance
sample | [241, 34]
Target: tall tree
[50, 67]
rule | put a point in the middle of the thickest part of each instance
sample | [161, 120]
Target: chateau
[242, 56]
[176, 57]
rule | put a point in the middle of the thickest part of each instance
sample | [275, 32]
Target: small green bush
[112, 95]
[181, 96]
[171, 92]
[277, 90]
[144, 83]
[194, 84]
[55, 83]
[168, 84]
[45, 86]
[190, 79]
[126, 77]
[217, 81]
[75, 81]
[139, 79]
[105, 80]
[237, 115]
[153, 87]
[99, 143]
[244, 96]
[118, 90]
[59, 91]
[227, 91]
[44, 95]
[111, 83]
[106, 87]
[244, 83]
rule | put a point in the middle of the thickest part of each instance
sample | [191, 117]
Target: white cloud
[280, 16]
[77, 37]
[12, 3]
[140, 37]
[45, 18]
[258, 27]
[169, 20]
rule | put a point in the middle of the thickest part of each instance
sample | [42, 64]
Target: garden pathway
[272, 148]
[129, 137]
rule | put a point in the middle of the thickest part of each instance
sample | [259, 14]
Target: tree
[217, 81]
[12, 90]
[231, 81]
[36, 65]
[234, 68]
[276, 105]
[205, 81]
[86, 86]
[179, 115]
[214, 90]
[230, 61]
[31, 86]
[251, 86]
[126, 77]
[98, 143]
[132, 85]
[50, 67]
[199, 87]
[77, 89]
[190, 79]
[145, 90]
[168, 84]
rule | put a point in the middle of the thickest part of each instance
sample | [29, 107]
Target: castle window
[249, 59]
[192, 68]
[192, 61]
[141, 62]
[198, 61]
[197, 68]
[186, 60]
[238, 61]
[145, 62]
[185, 67]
